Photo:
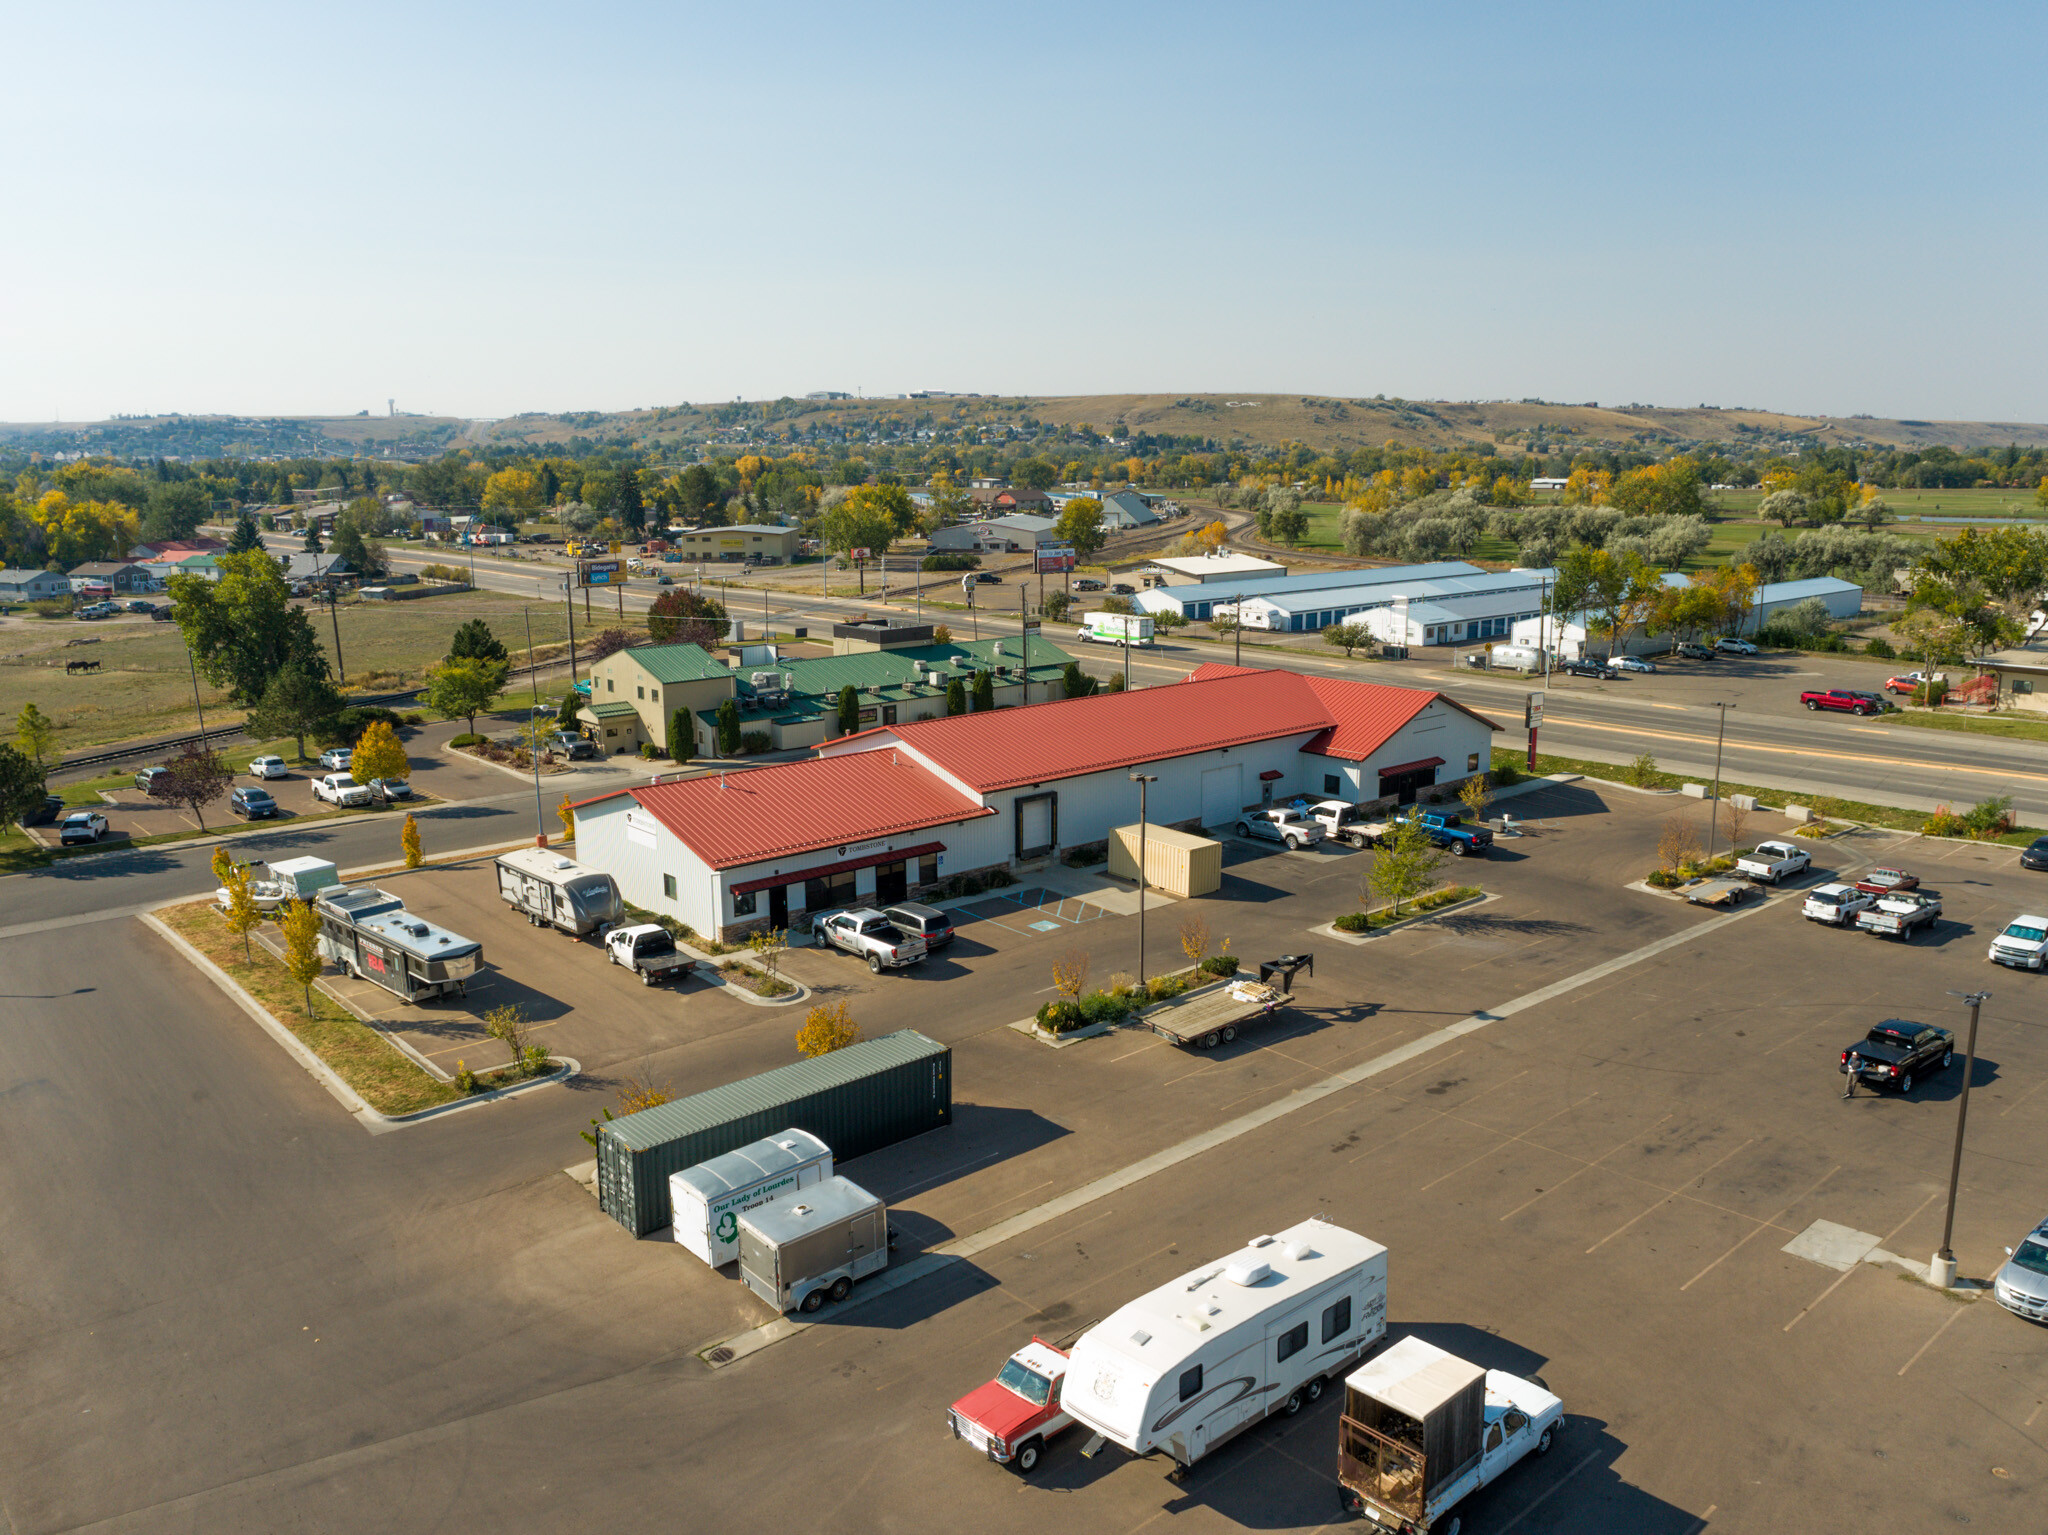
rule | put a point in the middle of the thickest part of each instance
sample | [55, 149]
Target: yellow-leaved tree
[302, 960]
[409, 839]
[379, 754]
[241, 913]
[827, 1027]
[1587, 486]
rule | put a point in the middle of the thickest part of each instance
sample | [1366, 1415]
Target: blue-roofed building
[1446, 610]
[1569, 635]
[1198, 603]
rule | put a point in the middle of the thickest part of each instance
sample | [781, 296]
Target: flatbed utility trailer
[1212, 1016]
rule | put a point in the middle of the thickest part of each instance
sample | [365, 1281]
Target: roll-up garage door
[1222, 797]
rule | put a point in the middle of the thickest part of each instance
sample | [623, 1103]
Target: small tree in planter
[1678, 844]
[1475, 793]
[1070, 974]
[1404, 865]
[1194, 940]
[827, 1027]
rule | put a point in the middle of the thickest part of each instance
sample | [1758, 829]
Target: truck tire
[1028, 1455]
[811, 1302]
[874, 964]
[1906, 1084]
[1860, 710]
[1812, 704]
[1543, 1441]
[1946, 1057]
[646, 977]
[1457, 850]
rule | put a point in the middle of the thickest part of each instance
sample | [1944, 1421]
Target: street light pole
[1714, 806]
[540, 825]
[1942, 1271]
[1143, 781]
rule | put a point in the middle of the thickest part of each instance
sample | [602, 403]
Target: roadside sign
[612, 547]
[1034, 623]
[1053, 558]
[967, 585]
[858, 554]
[1532, 712]
[600, 573]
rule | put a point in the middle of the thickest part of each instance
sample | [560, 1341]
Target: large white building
[1410, 610]
[1197, 603]
[892, 812]
[1569, 634]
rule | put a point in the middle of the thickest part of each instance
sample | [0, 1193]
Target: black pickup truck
[1896, 1052]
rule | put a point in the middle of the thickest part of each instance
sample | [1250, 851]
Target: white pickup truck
[866, 934]
[341, 789]
[1901, 914]
[1281, 825]
[1344, 821]
[649, 951]
[1769, 862]
[2023, 944]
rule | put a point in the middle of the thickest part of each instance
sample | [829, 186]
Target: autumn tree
[1474, 794]
[194, 778]
[680, 617]
[516, 492]
[240, 910]
[1070, 974]
[1587, 486]
[379, 754]
[1194, 938]
[409, 841]
[827, 1027]
[302, 960]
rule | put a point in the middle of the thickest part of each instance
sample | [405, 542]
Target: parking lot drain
[720, 1356]
[1831, 1246]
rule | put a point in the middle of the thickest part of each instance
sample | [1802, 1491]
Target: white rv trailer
[1206, 1356]
[553, 891]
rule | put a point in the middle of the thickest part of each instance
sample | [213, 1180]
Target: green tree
[569, 708]
[362, 555]
[678, 617]
[312, 544]
[34, 730]
[299, 702]
[474, 641]
[682, 735]
[630, 509]
[1076, 683]
[868, 517]
[729, 729]
[242, 628]
[464, 689]
[195, 778]
[1034, 473]
[1080, 524]
[984, 692]
[956, 697]
[1347, 637]
[21, 784]
[245, 538]
[849, 709]
[1055, 605]
[1404, 864]
[176, 508]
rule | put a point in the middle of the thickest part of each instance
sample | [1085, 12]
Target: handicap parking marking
[1046, 927]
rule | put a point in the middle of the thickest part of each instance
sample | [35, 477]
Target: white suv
[2024, 943]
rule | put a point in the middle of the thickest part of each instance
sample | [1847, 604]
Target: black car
[2035, 854]
[1897, 1051]
[988, 578]
[1598, 670]
[578, 750]
[256, 804]
[1124, 589]
[51, 808]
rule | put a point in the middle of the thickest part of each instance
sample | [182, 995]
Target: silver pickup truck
[866, 934]
[649, 951]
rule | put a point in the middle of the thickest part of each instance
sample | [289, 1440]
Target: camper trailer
[369, 934]
[710, 1198]
[553, 891]
[1208, 1355]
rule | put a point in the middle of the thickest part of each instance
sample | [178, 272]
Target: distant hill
[1322, 422]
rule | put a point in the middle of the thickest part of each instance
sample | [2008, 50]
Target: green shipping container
[855, 1100]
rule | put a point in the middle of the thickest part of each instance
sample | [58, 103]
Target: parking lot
[1586, 1120]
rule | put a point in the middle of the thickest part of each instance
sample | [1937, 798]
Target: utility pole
[540, 825]
[1714, 807]
[1143, 781]
[196, 707]
[1942, 1271]
[334, 618]
[569, 586]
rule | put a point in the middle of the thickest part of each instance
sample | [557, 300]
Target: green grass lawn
[2013, 726]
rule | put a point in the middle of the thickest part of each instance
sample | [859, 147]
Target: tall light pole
[1142, 780]
[1942, 1271]
[196, 708]
[540, 825]
[1714, 806]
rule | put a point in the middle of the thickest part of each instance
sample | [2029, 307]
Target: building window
[1472, 762]
[743, 905]
[640, 693]
[654, 695]
[1292, 1341]
[610, 686]
[1337, 1320]
[668, 886]
[1330, 784]
[928, 869]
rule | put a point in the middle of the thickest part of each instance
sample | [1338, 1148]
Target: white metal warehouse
[891, 813]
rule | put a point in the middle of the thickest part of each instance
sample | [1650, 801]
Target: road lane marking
[1954, 1316]
[1584, 1168]
[1660, 1204]
[740, 1346]
[1759, 1229]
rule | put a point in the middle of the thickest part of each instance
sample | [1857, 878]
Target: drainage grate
[719, 1356]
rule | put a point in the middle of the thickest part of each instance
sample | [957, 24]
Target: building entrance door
[891, 883]
[778, 906]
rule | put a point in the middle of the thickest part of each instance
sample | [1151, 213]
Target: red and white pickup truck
[1010, 1418]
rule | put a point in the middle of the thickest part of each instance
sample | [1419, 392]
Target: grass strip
[2016, 727]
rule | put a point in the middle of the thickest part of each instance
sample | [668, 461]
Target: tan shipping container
[1175, 861]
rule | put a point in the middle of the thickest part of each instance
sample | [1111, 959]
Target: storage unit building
[1177, 862]
[1198, 603]
[855, 1100]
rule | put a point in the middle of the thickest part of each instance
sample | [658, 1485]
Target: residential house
[33, 585]
[122, 578]
[999, 500]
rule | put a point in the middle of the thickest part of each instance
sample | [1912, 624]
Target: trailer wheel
[1314, 1388]
[1293, 1405]
[1229, 1032]
[1028, 1454]
[812, 1301]
[1211, 1039]
[841, 1288]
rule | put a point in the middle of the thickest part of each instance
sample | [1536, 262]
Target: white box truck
[797, 1253]
[1125, 629]
[552, 891]
[710, 1198]
[1206, 1356]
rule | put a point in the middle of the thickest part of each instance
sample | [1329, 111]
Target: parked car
[1088, 584]
[46, 813]
[340, 789]
[390, 788]
[1846, 701]
[1010, 1418]
[149, 776]
[1728, 645]
[2023, 944]
[578, 749]
[81, 826]
[928, 922]
[1693, 651]
[1897, 1052]
[268, 767]
[866, 934]
[987, 578]
[1836, 905]
[1632, 664]
[1901, 914]
[1281, 825]
[2022, 1285]
[1884, 881]
[1582, 666]
[1769, 862]
[337, 757]
[1124, 589]
[2035, 854]
[90, 613]
[256, 804]
[162, 613]
[141, 605]
[1907, 682]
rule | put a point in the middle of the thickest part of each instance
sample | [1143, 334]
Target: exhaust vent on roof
[1247, 1271]
[1297, 1250]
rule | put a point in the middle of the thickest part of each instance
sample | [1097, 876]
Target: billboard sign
[1053, 558]
[600, 572]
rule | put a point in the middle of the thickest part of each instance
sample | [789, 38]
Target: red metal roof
[1361, 716]
[1045, 742]
[800, 807]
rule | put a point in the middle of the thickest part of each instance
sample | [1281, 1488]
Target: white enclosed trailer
[796, 1253]
[1205, 1356]
[709, 1198]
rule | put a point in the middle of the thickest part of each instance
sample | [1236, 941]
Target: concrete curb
[1330, 930]
[524, 775]
[372, 1120]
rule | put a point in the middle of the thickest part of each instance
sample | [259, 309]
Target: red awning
[825, 871]
[1411, 767]
[1271, 773]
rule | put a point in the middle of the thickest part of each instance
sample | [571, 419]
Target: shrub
[1663, 879]
[1880, 647]
[1122, 983]
[1161, 987]
[466, 739]
[51, 607]
[1058, 1016]
[649, 752]
[1220, 965]
[1505, 769]
[347, 727]
[1945, 823]
[412, 718]
[1351, 922]
[754, 741]
[999, 879]
[1105, 1007]
[1932, 694]
[1642, 771]
[952, 562]
[1990, 817]
[445, 573]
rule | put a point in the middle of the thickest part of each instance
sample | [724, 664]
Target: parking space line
[1507, 1141]
[1587, 1167]
[1149, 1045]
[1923, 1348]
[1760, 1228]
[1587, 1460]
[1660, 1204]
[2023, 1097]
[1830, 1290]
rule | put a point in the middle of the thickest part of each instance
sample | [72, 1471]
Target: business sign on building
[1053, 558]
[601, 572]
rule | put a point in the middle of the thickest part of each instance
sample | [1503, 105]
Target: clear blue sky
[481, 209]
